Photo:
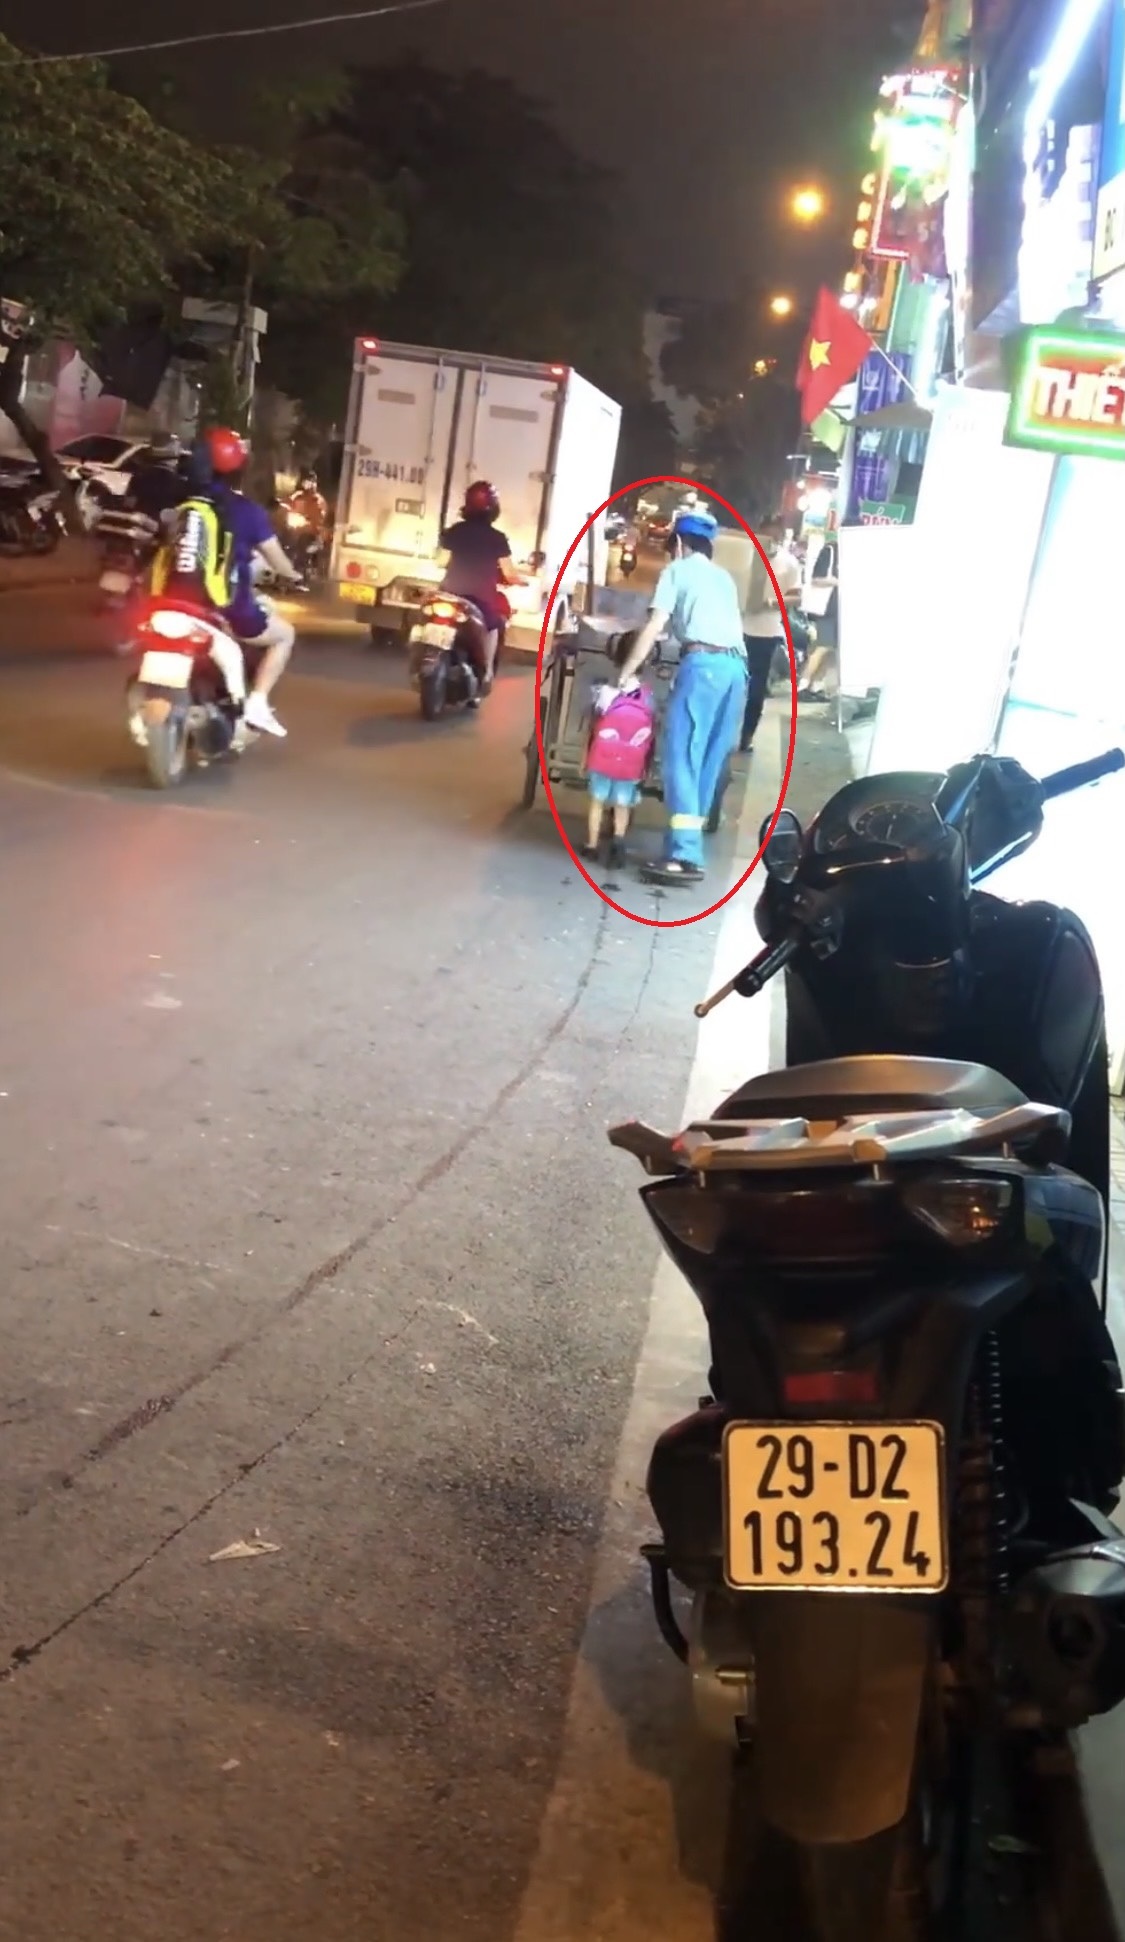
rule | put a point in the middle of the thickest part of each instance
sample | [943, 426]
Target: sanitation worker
[697, 603]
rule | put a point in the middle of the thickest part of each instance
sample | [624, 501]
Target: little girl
[622, 737]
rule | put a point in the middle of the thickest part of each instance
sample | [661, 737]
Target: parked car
[107, 462]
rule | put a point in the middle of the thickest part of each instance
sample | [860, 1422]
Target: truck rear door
[398, 465]
[506, 433]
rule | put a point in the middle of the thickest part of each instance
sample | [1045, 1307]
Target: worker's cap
[695, 525]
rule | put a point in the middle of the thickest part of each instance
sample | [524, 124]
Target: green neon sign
[1068, 396]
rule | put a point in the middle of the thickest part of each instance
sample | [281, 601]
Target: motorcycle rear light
[808, 1387]
[788, 1222]
[442, 610]
[963, 1209]
[173, 626]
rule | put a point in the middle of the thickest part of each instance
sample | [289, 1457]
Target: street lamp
[781, 306]
[807, 205]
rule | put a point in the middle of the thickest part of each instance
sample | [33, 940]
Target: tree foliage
[742, 445]
[712, 355]
[511, 238]
[402, 200]
[97, 199]
[648, 448]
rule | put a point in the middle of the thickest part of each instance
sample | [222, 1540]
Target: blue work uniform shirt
[702, 601]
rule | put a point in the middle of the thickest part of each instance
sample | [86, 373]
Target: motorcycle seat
[877, 1084]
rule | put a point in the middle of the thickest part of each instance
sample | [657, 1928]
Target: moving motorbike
[447, 648]
[306, 546]
[892, 1511]
[628, 560]
[186, 697]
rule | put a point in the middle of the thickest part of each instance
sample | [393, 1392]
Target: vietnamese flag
[834, 350]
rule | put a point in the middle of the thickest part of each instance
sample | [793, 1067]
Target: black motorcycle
[447, 654]
[628, 561]
[892, 1511]
[31, 520]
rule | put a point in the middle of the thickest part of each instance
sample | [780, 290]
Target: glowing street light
[808, 204]
[781, 306]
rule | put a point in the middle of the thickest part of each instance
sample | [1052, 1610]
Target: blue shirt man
[701, 602]
[697, 603]
[250, 528]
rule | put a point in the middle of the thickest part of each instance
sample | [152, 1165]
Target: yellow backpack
[196, 559]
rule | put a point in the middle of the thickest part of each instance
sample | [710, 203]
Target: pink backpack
[621, 740]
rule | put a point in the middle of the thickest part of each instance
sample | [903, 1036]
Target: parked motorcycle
[31, 521]
[447, 645]
[892, 1511]
[803, 633]
[185, 701]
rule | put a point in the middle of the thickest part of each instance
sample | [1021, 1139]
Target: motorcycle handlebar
[754, 976]
[1082, 773]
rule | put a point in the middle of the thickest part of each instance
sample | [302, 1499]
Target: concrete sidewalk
[74, 560]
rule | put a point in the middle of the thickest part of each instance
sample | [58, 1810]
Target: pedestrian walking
[763, 625]
[620, 749]
[697, 602]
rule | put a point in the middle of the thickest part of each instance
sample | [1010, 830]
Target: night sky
[706, 122]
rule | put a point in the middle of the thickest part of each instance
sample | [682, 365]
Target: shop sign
[1109, 232]
[883, 512]
[914, 143]
[1069, 394]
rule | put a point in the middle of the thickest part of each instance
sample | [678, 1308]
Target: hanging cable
[223, 33]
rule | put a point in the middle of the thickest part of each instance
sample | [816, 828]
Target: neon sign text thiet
[1069, 394]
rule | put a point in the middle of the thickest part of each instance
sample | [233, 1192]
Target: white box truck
[421, 426]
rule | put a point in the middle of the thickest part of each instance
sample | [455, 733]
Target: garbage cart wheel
[716, 816]
[534, 768]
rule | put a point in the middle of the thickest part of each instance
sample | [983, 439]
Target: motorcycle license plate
[360, 592]
[161, 670]
[115, 583]
[835, 1507]
[435, 634]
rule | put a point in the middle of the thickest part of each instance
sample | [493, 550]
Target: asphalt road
[308, 1231]
[310, 1235]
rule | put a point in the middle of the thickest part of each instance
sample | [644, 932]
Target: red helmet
[226, 450]
[481, 501]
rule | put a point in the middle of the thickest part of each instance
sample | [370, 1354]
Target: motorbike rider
[477, 558]
[214, 560]
[697, 602]
[251, 533]
[308, 500]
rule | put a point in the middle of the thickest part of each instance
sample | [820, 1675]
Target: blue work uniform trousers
[701, 728]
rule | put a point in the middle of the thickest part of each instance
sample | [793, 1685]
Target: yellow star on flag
[818, 354]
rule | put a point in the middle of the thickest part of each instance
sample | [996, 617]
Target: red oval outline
[659, 923]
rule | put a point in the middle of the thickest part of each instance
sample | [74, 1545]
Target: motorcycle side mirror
[782, 854]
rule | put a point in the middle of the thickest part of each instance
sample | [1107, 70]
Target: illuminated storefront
[1020, 649]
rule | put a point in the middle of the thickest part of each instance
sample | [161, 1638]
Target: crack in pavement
[154, 1407]
[25, 1655]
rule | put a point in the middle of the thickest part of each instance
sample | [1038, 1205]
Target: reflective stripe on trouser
[700, 730]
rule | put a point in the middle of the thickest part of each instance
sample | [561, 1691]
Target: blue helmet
[699, 525]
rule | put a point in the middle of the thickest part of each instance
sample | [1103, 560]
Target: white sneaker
[258, 714]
